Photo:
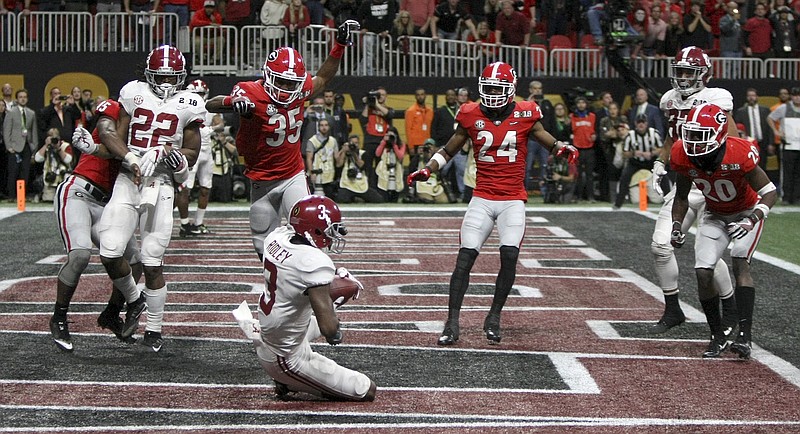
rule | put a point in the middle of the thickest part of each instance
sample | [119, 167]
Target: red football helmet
[497, 85]
[705, 130]
[199, 87]
[165, 71]
[690, 71]
[284, 75]
[319, 220]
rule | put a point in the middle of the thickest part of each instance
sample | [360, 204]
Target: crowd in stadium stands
[371, 167]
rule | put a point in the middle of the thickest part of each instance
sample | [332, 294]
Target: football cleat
[135, 310]
[742, 347]
[202, 229]
[716, 347]
[153, 340]
[60, 331]
[281, 390]
[491, 326]
[188, 229]
[449, 334]
[114, 323]
[671, 318]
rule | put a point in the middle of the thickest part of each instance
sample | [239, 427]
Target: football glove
[344, 33]
[176, 161]
[242, 105]
[569, 152]
[344, 273]
[336, 339]
[677, 238]
[420, 175]
[659, 172]
[150, 160]
[741, 228]
[82, 141]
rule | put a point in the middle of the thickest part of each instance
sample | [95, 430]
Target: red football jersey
[726, 190]
[500, 149]
[100, 171]
[269, 141]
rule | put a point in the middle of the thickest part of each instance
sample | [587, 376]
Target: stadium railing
[231, 51]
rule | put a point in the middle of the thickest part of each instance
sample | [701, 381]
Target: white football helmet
[199, 87]
[690, 71]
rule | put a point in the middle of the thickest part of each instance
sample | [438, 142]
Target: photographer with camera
[353, 180]
[311, 119]
[56, 155]
[376, 118]
[320, 160]
[390, 166]
[433, 189]
[560, 179]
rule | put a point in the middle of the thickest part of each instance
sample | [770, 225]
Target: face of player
[286, 85]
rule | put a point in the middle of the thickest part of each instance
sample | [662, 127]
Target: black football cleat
[60, 331]
[188, 230]
[716, 347]
[670, 319]
[135, 310]
[202, 229]
[281, 390]
[114, 323]
[153, 340]
[449, 334]
[491, 326]
[742, 347]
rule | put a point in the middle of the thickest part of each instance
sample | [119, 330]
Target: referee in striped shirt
[642, 146]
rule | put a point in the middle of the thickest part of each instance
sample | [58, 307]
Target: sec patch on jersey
[344, 287]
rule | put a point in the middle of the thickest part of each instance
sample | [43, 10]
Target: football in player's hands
[344, 287]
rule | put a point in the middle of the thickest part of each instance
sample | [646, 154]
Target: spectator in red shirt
[295, 18]
[511, 27]
[583, 132]
[208, 16]
[714, 11]
[421, 13]
[237, 13]
[758, 42]
[485, 44]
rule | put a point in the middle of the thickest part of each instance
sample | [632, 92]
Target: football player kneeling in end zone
[297, 306]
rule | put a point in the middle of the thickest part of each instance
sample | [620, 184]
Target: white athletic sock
[722, 278]
[199, 215]
[127, 286]
[156, 299]
[185, 221]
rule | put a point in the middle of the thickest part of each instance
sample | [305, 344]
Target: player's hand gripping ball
[344, 287]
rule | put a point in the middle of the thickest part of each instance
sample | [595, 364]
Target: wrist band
[439, 159]
[337, 51]
[764, 209]
[227, 101]
[131, 158]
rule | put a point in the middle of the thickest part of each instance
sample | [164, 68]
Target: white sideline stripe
[537, 219]
[479, 420]
[395, 289]
[692, 314]
[594, 254]
[574, 374]
[560, 232]
[530, 263]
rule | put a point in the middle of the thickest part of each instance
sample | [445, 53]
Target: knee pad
[466, 259]
[661, 251]
[508, 256]
[77, 261]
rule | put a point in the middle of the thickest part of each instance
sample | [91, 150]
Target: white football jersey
[155, 121]
[206, 131]
[676, 107]
[289, 269]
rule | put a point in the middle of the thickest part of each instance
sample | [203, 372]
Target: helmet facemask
[282, 88]
[491, 97]
[699, 140]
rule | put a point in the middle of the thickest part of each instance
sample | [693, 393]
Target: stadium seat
[563, 60]
[587, 41]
